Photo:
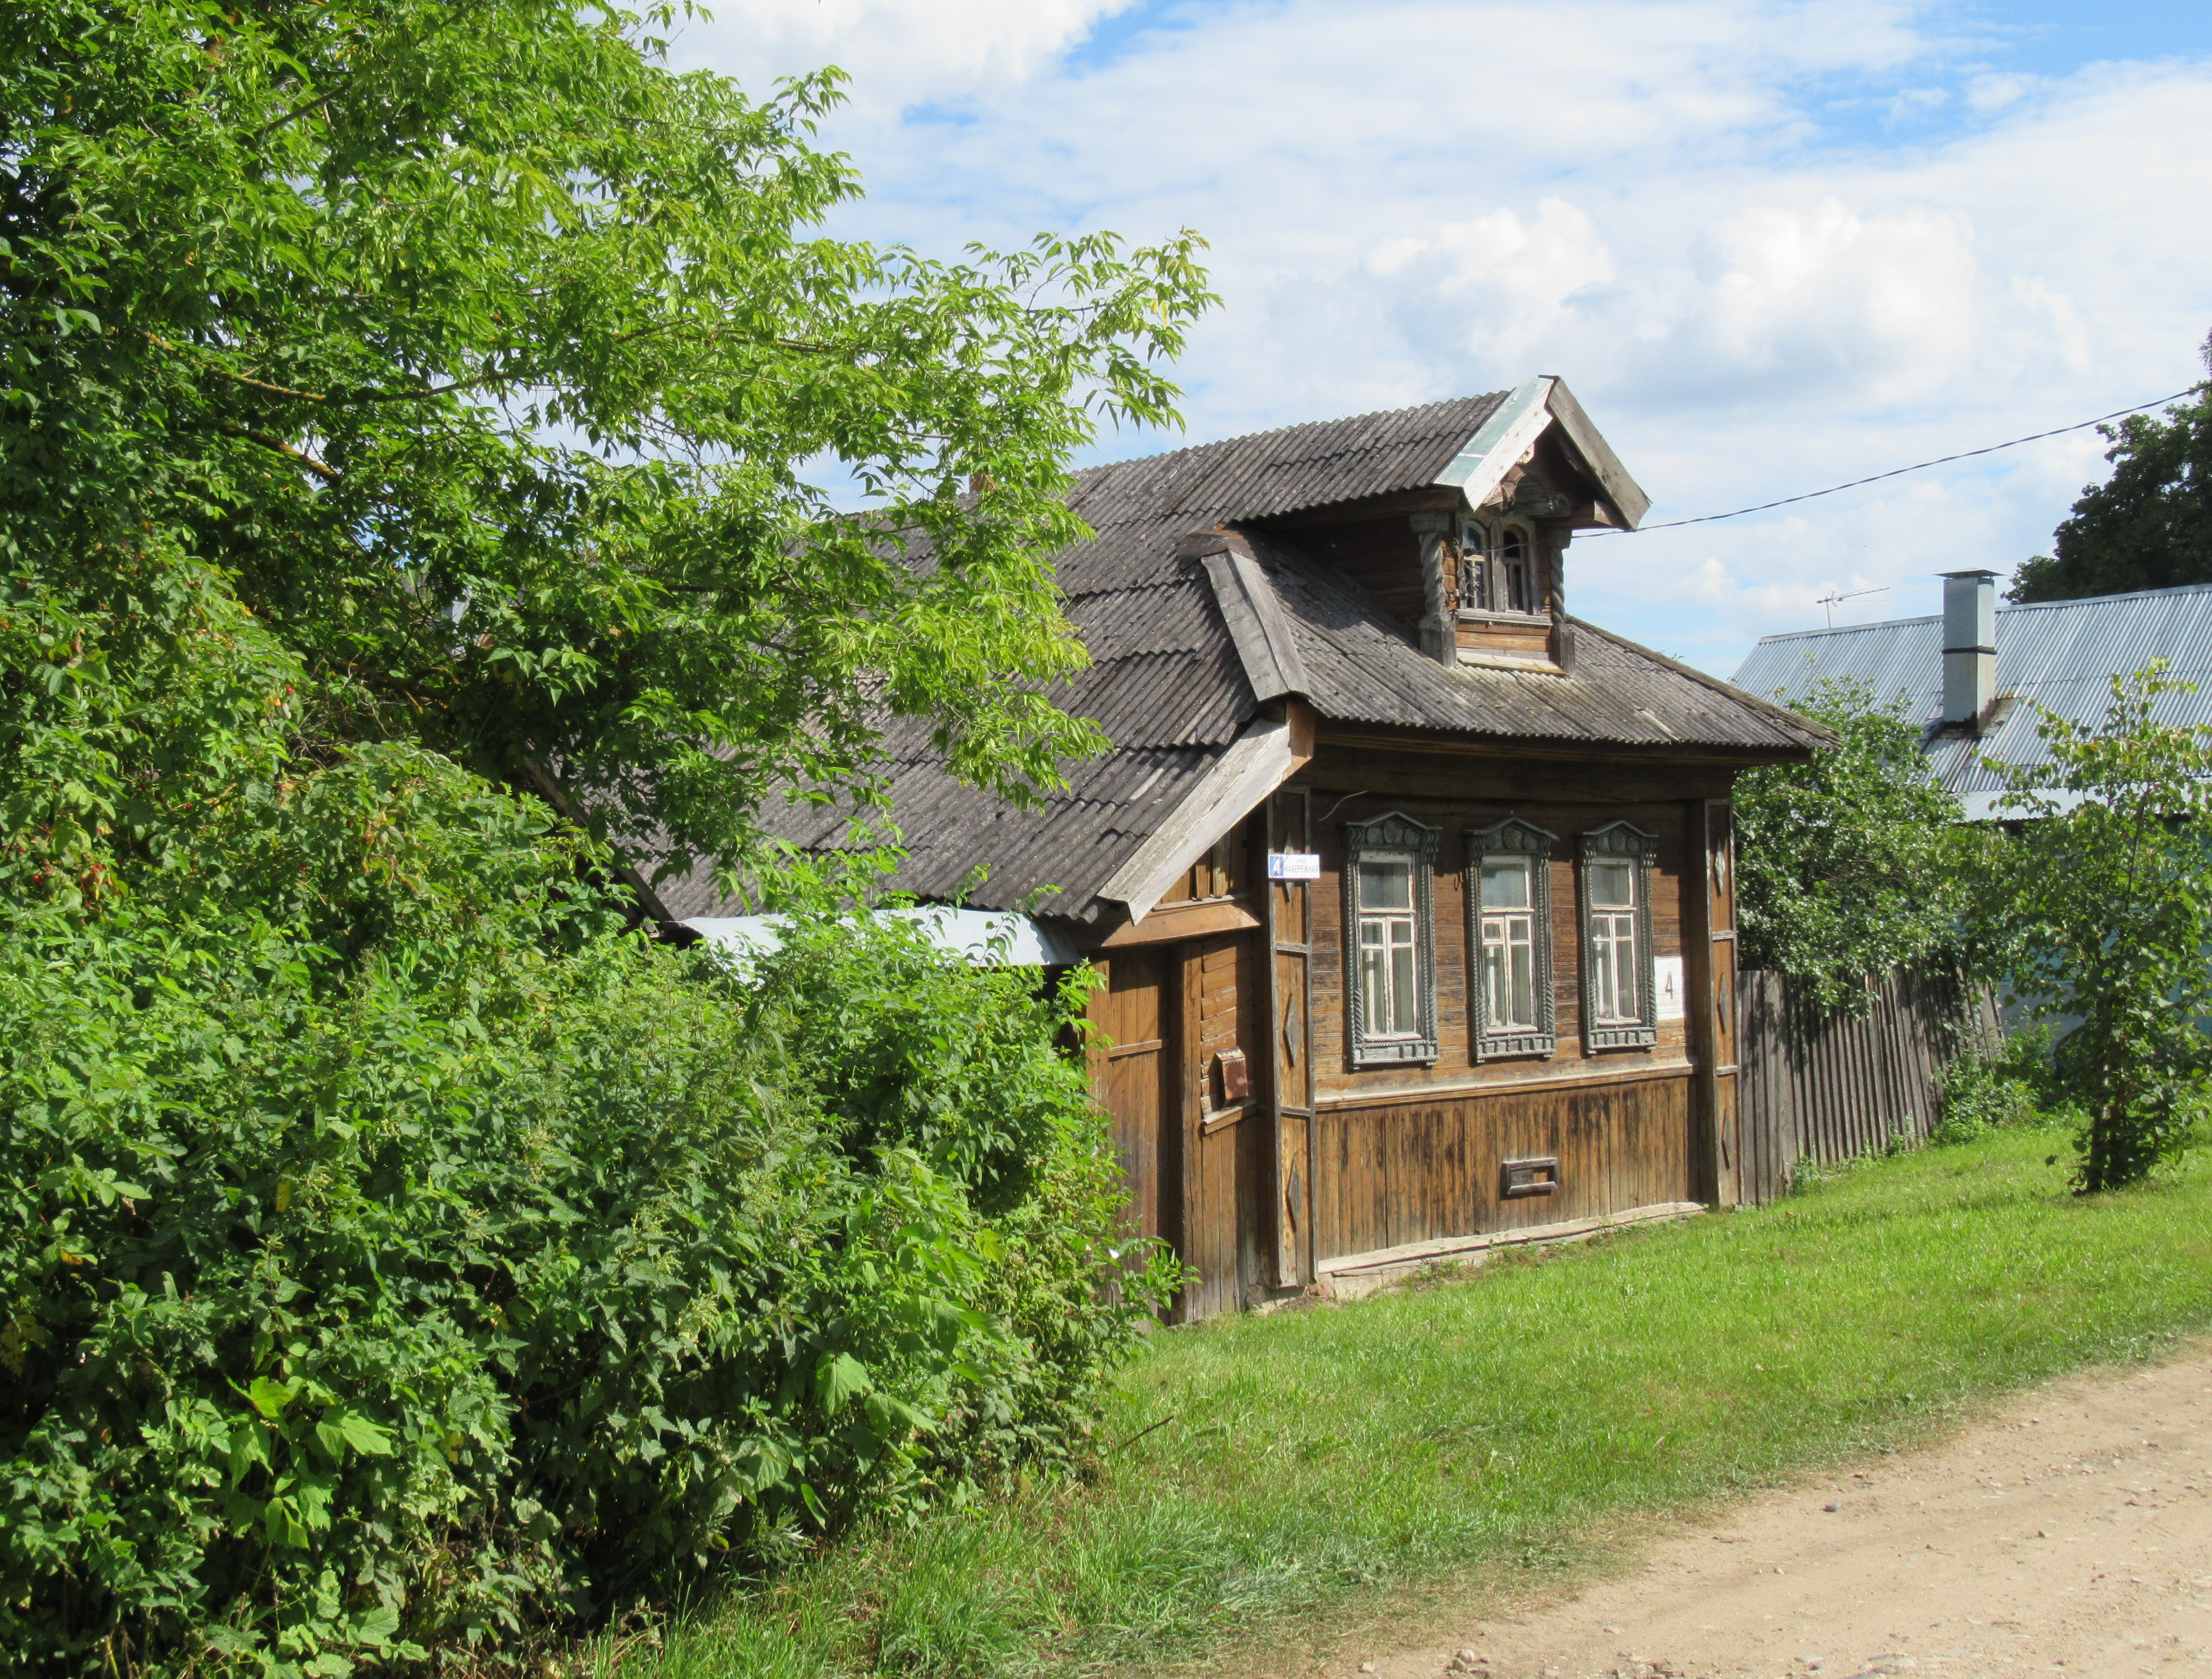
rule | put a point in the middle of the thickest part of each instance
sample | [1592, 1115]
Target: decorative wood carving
[1518, 838]
[1617, 841]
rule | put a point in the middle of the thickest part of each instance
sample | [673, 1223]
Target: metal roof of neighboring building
[1168, 684]
[2060, 655]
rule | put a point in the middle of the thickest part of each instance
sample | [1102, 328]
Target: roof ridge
[2124, 595]
[2002, 611]
[1853, 629]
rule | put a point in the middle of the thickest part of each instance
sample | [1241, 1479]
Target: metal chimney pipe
[1970, 644]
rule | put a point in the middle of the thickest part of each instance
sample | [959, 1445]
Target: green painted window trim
[1611, 843]
[1395, 832]
[1513, 837]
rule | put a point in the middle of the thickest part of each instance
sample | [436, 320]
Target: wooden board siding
[1386, 1176]
[1515, 638]
[1377, 551]
[1409, 1154]
[1456, 1065]
[1323, 1161]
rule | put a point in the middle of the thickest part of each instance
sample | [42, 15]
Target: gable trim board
[1257, 762]
[1252, 613]
[1507, 436]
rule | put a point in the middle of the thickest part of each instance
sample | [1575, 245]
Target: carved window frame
[1396, 834]
[1482, 594]
[1612, 844]
[1513, 837]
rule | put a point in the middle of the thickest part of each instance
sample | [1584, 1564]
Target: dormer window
[1497, 571]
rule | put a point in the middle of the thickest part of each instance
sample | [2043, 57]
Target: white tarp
[985, 937]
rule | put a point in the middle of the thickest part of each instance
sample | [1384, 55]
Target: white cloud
[1994, 92]
[1824, 301]
[896, 51]
[1499, 285]
[1693, 210]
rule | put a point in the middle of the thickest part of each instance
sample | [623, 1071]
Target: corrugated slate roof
[2060, 655]
[1131, 504]
[1168, 687]
[1362, 668]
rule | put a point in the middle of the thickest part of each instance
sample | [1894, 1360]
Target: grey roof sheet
[1168, 688]
[1131, 503]
[1363, 668]
[2060, 655]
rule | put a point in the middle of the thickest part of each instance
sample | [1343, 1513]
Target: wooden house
[1411, 894]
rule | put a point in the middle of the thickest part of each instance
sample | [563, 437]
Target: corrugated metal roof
[1168, 687]
[2060, 655]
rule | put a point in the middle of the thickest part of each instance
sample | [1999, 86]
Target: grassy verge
[1490, 1433]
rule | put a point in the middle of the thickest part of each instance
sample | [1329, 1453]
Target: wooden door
[1222, 1131]
[1135, 1074]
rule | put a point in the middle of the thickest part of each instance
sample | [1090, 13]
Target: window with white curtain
[1510, 908]
[1389, 922]
[1619, 1007]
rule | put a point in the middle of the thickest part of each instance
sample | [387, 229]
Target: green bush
[2006, 1087]
[402, 1255]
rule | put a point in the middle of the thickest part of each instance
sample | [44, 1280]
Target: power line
[1917, 466]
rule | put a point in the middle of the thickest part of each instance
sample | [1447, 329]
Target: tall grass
[1491, 1433]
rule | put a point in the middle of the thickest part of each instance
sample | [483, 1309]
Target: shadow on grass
[1489, 1437]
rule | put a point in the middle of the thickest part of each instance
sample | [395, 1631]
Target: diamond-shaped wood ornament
[1294, 1031]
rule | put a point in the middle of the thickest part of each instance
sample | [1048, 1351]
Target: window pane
[1374, 982]
[1402, 984]
[1613, 886]
[1524, 986]
[1386, 883]
[1505, 883]
[1613, 967]
[1497, 993]
[1624, 969]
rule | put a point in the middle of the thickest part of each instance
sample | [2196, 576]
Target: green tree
[499, 371]
[2149, 526]
[2101, 911]
[1844, 864]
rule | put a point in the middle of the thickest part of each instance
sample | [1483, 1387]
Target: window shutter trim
[1395, 832]
[1513, 837]
[1612, 841]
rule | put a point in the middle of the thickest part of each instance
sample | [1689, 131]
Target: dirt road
[2071, 1534]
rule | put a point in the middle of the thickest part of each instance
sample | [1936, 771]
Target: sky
[1770, 245]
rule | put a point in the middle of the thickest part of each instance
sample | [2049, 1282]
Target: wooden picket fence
[1828, 1088]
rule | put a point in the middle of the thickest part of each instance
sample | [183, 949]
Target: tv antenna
[1831, 600]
